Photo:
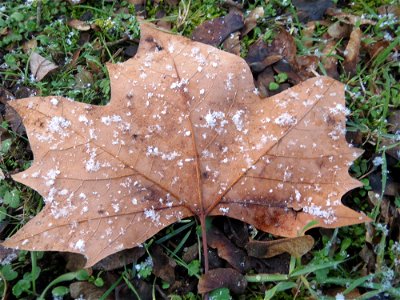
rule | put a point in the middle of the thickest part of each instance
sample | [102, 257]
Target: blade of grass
[266, 277]
[182, 242]
[313, 268]
[174, 233]
[110, 289]
[281, 286]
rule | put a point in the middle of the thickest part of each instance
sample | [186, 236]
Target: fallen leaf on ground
[296, 247]
[163, 265]
[329, 59]
[79, 25]
[40, 66]
[183, 135]
[30, 45]
[376, 48]
[307, 34]
[311, 10]
[86, 290]
[232, 43]
[262, 54]
[307, 65]
[214, 32]
[348, 18]
[251, 20]
[235, 256]
[263, 81]
[352, 51]
[339, 30]
[10, 115]
[222, 277]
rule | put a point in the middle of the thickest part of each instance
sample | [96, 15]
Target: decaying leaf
[352, 51]
[251, 20]
[184, 134]
[262, 54]
[297, 246]
[215, 31]
[235, 256]
[311, 9]
[348, 18]
[40, 66]
[339, 30]
[329, 60]
[79, 25]
[86, 290]
[232, 43]
[222, 277]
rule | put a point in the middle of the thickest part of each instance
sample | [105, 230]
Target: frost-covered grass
[361, 258]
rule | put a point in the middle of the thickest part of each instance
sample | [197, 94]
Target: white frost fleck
[237, 120]
[54, 101]
[224, 210]
[107, 120]
[285, 119]
[80, 245]
[58, 124]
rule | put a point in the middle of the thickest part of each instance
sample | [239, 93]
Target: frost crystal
[58, 124]
[51, 176]
[91, 165]
[228, 82]
[80, 245]
[328, 215]
[152, 215]
[377, 161]
[107, 120]
[339, 109]
[54, 101]
[285, 119]
[237, 120]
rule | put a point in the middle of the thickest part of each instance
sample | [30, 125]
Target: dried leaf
[297, 247]
[261, 54]
[389, 10]
[311, 10]
[184, 134]
[263, 81]
[232, 43]
[348, 18]
[339, 30]
[214, 32]
[307, 65]
[251, 20]
[235, 256]
[28, 46]
[79, 25]
[12, 118]
[40, 66]
[329, 59]
[352, 51]
[86, 290]
[222, 277]
[163, 265]
[283, 66]
[307, 34]
[376, 48]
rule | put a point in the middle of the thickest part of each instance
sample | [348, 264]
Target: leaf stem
[204, 240]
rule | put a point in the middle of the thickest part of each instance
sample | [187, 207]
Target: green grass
[372, 94]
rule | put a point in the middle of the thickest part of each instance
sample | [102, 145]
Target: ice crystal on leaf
[183, 135]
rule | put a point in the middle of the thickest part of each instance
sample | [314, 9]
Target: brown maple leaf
[184, 134]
